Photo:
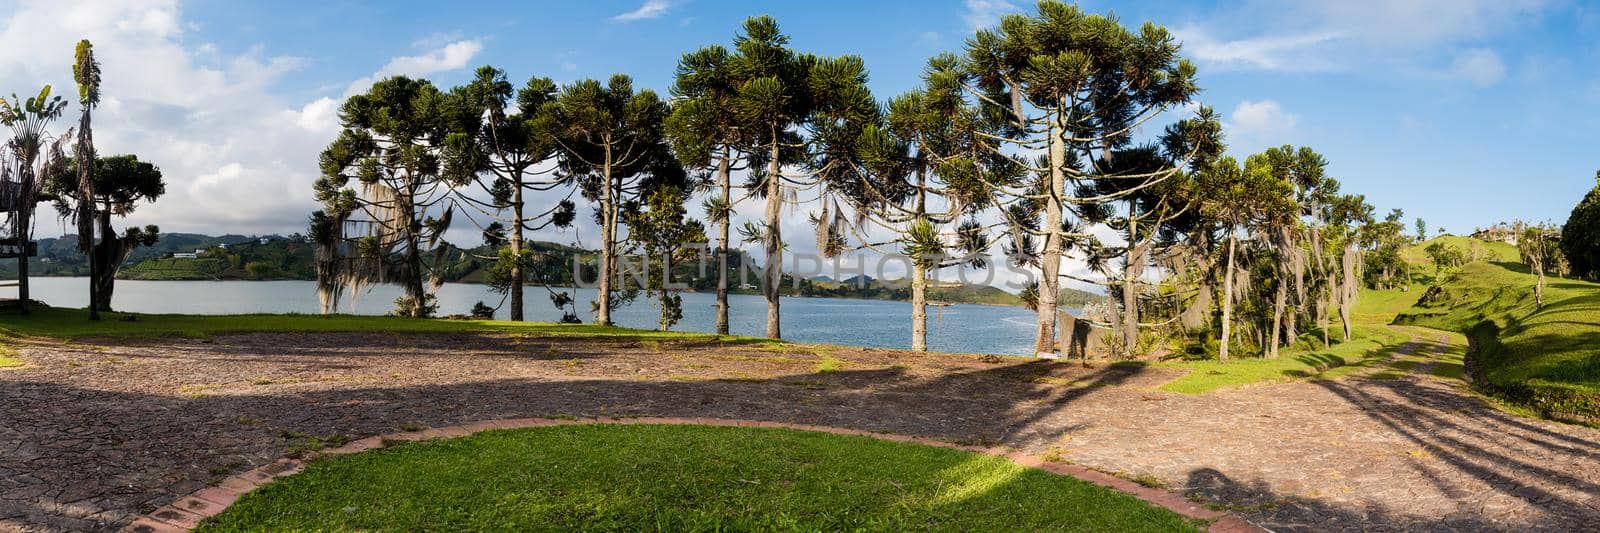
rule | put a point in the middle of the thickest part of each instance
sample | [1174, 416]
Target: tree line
[1030, 141]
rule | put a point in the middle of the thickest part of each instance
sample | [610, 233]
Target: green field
[681, 478]
[1547, 359]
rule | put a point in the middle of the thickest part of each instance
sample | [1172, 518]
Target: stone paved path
[91, 434]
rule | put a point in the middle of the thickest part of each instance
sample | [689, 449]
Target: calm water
[885, 324]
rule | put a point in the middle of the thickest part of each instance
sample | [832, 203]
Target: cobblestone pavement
[92, 434]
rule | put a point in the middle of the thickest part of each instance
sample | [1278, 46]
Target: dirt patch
[95, 433]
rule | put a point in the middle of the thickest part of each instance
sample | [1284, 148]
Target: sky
[1461, 112]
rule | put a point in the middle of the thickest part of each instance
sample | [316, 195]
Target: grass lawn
[72, 323]
[1371, 341]
[1546, 358]
[681, 478]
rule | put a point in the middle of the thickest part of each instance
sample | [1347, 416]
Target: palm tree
[34, 154]
[86, 72]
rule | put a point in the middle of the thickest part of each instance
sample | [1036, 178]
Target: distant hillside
[275, 257]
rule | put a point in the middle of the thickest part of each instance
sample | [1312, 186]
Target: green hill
[1548, 359]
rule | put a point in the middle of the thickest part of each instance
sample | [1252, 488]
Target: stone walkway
[94, 434]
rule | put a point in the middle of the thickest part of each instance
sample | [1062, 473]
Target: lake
[875, 323]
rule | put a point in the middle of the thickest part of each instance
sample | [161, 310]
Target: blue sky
[1462, 112]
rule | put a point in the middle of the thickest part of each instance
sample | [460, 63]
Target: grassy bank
[1547, 359]
[1372, 340]
[72, 323]
[681, 478]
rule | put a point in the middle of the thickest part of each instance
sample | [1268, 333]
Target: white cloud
[237, 156]
[451, 56]
[1320, 35]
[1258, 124]
[986, 13]
[649, 10]
[1480, 66]
[1281, 52]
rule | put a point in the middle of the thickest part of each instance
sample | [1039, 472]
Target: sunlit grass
[73, 323]
[681, 478]
[1369, 343]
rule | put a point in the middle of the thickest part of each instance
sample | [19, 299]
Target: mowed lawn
[681, 478]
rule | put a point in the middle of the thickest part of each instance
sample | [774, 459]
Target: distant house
[1501, 232]
[223, 246]
[185, 255]
[264, 240]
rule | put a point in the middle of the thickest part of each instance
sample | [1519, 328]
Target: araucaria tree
[799, 116]
[924, 179]
[1239, 201]
[1073, 86]
[32, 156]
[399, 206]
[119, 183]
[504, 150]
[706, 135]
[610, 139]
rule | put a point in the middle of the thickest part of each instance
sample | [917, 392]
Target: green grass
[7, 361]
[681, 478]
[73, 323]
[1547, 358]
[1369, 343]
[1371, 340]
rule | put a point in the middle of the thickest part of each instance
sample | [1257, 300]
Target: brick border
[186, 512]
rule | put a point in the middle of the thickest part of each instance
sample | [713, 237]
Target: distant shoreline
[731, 291]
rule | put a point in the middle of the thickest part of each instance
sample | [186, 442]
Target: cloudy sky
[1462, 112]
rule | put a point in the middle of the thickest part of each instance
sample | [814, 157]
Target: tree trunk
[722, 245]
[516, 251]
[1347, 289]
[772, 272]
[86, 216]
[1227, 301]
[919, 307]
[1538, 286]
[607, 236]
[1044, 343]
[1277, 320]
[1132, 268]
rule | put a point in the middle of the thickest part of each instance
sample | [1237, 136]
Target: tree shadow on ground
[1502, 454]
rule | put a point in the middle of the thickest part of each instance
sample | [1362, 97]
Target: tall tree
[119, 183]
[1153, 191]
[34, 155]
[706, 134]
[924, 179]
[610, 139]
[504, 151]
[86, 72]
[1422, 230]
[392, 145]
[800, 115]
[1074, 86]
[1238, 199]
